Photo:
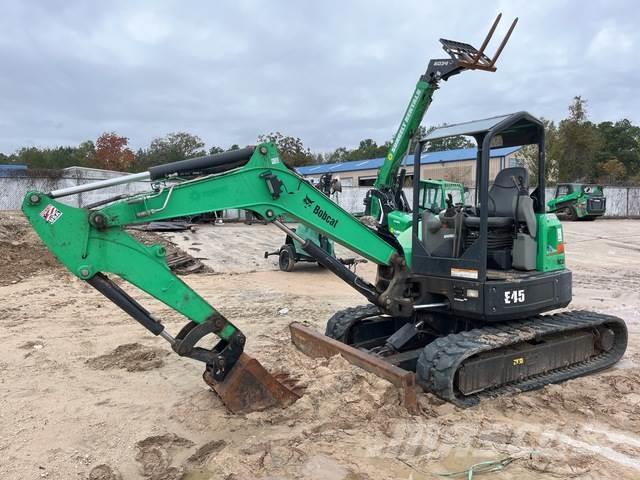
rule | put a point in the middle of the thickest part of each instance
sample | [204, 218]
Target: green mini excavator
[458, 297]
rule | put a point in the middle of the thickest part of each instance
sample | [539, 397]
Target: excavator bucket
[249, 387]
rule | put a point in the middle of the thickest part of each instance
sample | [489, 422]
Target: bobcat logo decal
[307, 201]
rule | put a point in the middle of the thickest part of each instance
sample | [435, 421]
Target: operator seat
[505, 197]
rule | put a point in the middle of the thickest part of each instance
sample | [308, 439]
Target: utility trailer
[292, 252]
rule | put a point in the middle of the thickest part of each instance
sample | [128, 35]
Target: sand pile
[23, 254]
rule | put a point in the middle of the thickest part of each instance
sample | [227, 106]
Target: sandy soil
[15, 236]
[87, 393]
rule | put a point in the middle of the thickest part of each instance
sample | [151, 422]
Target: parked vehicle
[578, 201]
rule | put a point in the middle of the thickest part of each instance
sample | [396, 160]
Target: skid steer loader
[578, 201]
[458, 297]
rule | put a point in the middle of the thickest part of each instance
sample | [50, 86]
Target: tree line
[576, 150]
[112, 152]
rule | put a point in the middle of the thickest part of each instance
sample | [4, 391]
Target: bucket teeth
[249, 387]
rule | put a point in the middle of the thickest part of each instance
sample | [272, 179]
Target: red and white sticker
[51, 214]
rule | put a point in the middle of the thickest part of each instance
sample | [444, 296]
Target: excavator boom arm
[92, 242]
[265, 186]
[462, 56]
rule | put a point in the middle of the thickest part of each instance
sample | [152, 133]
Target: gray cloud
[329, 72]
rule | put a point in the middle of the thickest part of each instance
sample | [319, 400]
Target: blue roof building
[454, 165]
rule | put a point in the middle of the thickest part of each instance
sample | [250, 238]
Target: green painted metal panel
[550, 243]
[88, 242]
[307, 233]
[85, 251]
[413, 115]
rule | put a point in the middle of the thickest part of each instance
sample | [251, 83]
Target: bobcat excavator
[458, 297]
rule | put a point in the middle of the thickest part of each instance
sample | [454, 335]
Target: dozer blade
[316, 345]
[249, 387]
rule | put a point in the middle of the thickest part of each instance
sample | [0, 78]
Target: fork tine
[504, 42]
[487, 39]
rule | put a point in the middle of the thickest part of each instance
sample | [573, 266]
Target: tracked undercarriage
[466, 366]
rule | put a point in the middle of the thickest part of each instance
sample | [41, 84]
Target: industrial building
[453, 165]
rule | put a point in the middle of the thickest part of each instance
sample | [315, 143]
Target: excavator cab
[476, 252]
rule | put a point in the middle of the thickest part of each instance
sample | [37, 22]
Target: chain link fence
[14, 187]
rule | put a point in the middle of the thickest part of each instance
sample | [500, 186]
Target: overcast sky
[328, 72]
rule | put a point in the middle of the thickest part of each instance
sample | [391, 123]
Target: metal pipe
[504, 42]
[288, 231]
[107, 200]
[487, 38]
[153, 211]
[87, 187]
[164, 334]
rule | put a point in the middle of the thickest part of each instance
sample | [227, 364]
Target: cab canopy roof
[514, 129]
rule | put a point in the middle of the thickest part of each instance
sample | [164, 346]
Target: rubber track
[341, 321]
[441, 359]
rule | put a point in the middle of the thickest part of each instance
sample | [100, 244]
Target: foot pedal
[249, 387]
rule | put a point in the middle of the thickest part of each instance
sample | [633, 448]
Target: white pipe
[134, 177]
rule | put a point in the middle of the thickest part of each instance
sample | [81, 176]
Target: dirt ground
[86, 393]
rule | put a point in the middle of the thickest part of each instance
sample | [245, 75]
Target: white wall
[621, 201]
[14, 188]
